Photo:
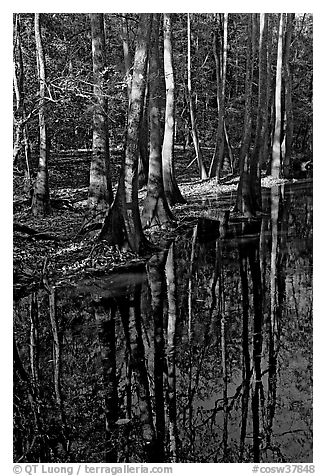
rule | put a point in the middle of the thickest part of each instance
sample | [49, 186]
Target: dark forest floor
[69, 256]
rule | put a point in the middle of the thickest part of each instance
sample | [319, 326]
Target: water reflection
[202, 355]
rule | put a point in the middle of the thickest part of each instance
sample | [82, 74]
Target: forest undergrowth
[51, 248]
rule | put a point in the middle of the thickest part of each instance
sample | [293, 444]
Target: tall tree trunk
[217, 160]
[171, 188]
[143, 162]
[156, 210]
[20, 120]
[122, 225]
[100, 191]
[288, 109]
[194, 132]
[255, 172]
[266, 129]
[277, 156]
[244, 203]
[41, 195]
[126, 54]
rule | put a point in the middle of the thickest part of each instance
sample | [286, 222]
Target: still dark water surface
[202, 355]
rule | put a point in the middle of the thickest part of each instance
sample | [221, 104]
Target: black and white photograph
[162, 240]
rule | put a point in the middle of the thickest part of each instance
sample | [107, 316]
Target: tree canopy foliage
[70, 99]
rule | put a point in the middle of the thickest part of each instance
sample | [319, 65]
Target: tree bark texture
[156, 210]
[266, 128]
[100, 190]
[41, 195]
[122, 225]
[126, 55]
[277, 156]
[20, 120]
[258, 150]
[288, 108]
[171, 188]
[217, 160]
[244, 201]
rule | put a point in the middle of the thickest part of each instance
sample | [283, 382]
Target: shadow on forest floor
[69, 255]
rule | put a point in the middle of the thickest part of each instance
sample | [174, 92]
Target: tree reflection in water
[202, 355]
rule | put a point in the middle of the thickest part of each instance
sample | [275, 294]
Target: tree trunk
[217, 160]
[122, 225]
[20, 120]
[156, 211]
[171, 188]
[244, 203]
[41, 195]
[255, 172]
[288, 109]
[277, 156]
[19, 92]
[143, 162]
[194, 132]
[100, 190]
[266, 129]
[126, 55]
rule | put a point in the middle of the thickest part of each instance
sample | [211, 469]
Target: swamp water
[204, 354]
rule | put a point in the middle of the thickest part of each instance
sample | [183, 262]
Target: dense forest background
[69, 83]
